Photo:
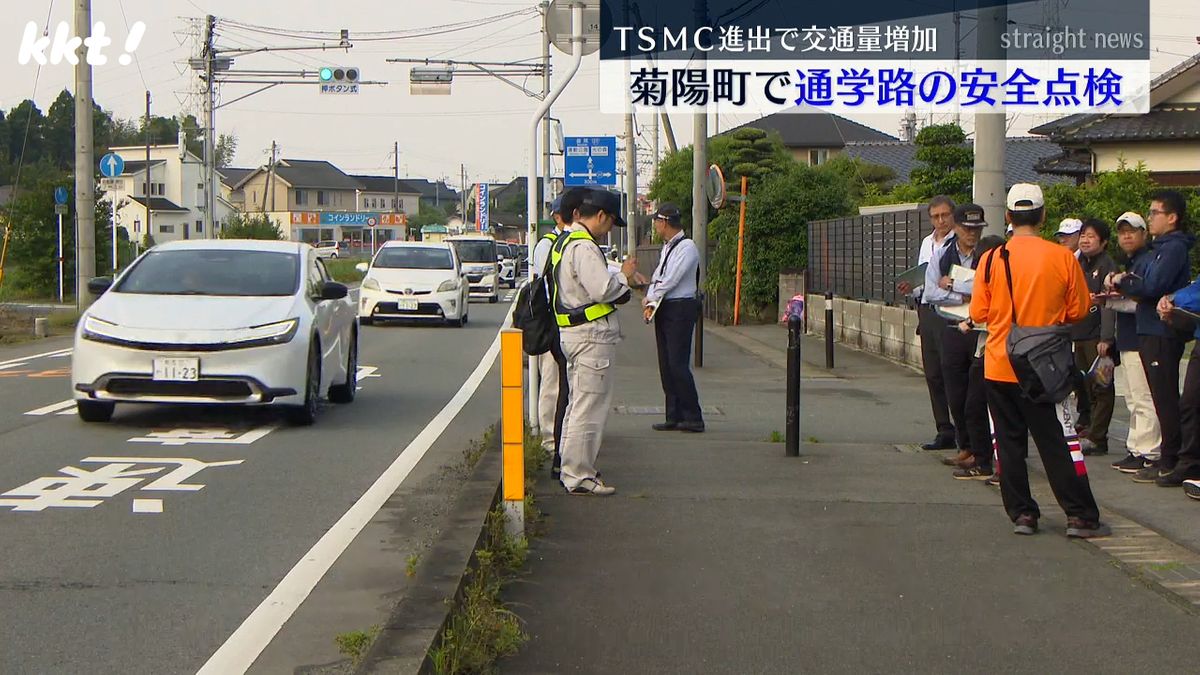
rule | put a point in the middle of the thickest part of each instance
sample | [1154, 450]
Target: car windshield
[326, 244]
[414, 258]
[476, 251]
[214, 272]
[505, 250]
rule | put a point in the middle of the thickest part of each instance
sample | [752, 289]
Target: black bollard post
[792, 436]
[699, 355]
[829, 329]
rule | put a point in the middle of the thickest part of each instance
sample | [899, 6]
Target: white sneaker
[594, 487]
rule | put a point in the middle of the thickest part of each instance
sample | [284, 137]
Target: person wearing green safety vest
[586, 295]
[553, 393]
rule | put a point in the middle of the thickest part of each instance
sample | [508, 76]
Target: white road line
[242, 648]
[147, 506]
[25, 359]
[67, 406]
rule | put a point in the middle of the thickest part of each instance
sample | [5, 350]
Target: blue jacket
[1127, 336]
[1189, 298]
[1164, 270]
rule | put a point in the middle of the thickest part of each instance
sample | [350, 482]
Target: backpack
[534, 315]
[1041, 356]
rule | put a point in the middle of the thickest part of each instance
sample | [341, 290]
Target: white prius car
[217, 322]
[413, 280]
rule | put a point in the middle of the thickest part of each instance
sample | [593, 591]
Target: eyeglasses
[1156, 212]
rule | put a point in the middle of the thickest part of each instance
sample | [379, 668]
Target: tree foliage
[946, 165]
[251, 226]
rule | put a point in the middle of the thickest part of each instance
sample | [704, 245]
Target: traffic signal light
[338, 75]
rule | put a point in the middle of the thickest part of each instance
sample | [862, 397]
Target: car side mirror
[362, 267]
[98, 285]
[332, 290]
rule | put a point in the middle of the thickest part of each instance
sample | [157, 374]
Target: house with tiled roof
[1021, 157]
[1166, 139]
[814, 138]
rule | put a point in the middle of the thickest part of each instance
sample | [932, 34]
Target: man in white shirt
[672, 301]
[929, 325]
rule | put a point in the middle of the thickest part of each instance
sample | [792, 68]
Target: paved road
[120, 587]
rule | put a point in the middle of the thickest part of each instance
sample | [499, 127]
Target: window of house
[818, 157]
[320, 198]
[166, 229]
[301, 198]
[254, 197]
[199, 226]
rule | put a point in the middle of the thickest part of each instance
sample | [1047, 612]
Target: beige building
[176, 195]
[1166, 139]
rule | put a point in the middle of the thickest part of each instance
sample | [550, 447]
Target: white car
[328, 249]
[508, 264]
[217, 322]
[480, 262]
[414, 280]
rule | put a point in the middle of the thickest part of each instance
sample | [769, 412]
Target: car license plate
[407, 305]
[177, 370]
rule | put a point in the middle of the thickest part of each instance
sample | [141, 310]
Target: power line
[136, 60]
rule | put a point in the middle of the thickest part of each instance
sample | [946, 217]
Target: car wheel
[94, 411]
[306, 414]
[344, 393]
[494, 299]
[333, 255]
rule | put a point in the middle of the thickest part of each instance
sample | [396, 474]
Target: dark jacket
[1127, 335]
[1165, 270]
[1100, 324]
[1189, 298]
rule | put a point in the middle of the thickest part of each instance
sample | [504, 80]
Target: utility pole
[85, 163]
[462, 195]
[990, 127]
[654, 143]
[149, 231]
[270, 185]
[957, 56]
[630, 162]
[210, 102]
[699, 200]
[545, 196]
[396, 186]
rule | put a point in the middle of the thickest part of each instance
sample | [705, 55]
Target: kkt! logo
[65, 45]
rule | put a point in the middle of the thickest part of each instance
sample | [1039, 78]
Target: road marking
[147, 506]
[243, 647]
[25, 359]
[209, 436]
[66, 407]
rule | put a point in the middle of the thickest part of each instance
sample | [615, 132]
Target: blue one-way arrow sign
[590, 160]
[60, 195]
[111, 165]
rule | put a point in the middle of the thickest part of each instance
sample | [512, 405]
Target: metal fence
[859, 257]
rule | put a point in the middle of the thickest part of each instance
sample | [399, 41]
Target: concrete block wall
[888, 331]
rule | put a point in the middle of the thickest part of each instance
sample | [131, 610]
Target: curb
[415, 624]
[768, 354]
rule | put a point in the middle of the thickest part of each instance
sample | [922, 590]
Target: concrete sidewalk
[721, 555]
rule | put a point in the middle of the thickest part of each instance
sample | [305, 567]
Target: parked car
[508, 264]
[328, 249]
[481, 264]
[217, 322]
[414, 280]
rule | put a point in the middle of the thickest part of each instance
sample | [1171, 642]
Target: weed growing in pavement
[356, 643]
[410, 564]
[812, 439]
[476, 449]
[775, 437]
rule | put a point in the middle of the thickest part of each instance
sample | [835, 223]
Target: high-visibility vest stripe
[564, 317]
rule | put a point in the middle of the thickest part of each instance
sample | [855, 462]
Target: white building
[176, 199]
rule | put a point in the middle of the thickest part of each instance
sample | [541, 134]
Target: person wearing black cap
[958, 347]
[671, 300]
[586, 295]
[554, 394]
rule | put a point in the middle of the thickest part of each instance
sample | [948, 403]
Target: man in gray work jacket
[586, 295]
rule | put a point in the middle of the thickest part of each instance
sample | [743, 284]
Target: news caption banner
[880, 57]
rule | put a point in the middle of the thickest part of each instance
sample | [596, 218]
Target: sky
[483, 124]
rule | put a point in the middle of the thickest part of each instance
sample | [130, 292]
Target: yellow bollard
[512, 429]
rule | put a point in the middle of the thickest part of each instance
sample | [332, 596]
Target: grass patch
[775, 437]
[812, 439]
[410, 564]
[355, 644]
[342, 269]
[476, 449]
[1164, 567]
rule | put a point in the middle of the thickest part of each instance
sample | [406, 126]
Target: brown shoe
[956, 460]
[968, 463]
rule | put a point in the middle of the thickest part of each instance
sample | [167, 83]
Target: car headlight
[99, 330]
[371, 285]
[448, 285]
[268, 334]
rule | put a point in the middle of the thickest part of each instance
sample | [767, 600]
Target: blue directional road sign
[60, 195]
[111, 165]
[590, 160]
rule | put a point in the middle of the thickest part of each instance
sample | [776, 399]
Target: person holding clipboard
[672, 303]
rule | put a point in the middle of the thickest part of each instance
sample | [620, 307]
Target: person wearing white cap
[1144, 437]
[1031, 283]
[1068, 234]
[1166, 270]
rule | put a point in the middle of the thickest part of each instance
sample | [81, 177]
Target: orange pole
[737, 288]
[512, 430]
